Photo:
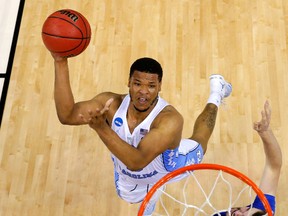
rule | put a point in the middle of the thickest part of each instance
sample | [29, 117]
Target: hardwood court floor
[50, 169]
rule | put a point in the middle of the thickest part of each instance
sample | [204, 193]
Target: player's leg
[153, 201]
[204, 124]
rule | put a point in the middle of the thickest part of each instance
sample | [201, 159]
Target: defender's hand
[263, 124]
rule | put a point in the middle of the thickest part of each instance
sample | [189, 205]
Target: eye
[233, 211]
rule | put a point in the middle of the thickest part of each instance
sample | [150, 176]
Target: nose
[237, 213]
[144, 89]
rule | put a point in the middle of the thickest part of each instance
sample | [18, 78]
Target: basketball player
[141, 130]
[271, 172]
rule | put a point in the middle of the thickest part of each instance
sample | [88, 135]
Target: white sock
[215, 98]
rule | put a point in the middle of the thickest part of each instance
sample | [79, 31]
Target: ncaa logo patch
[118, 122]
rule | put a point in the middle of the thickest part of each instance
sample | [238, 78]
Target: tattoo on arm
[210, 117]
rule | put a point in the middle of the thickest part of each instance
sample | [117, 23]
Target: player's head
[257, 209]
[147, 65]
[243, 211]
[144, 83]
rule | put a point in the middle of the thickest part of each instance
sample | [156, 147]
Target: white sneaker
[220, 86]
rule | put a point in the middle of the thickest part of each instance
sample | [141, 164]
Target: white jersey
[133, 185]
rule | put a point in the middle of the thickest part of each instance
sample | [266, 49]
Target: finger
[109, 102]
[257, 126]
[57, 57]
[267, 108]
[107, 105]
[85, 120]
[95, 113]
[90, 113]
[263, 114]
[105, 109]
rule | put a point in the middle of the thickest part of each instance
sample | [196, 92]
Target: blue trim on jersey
[173, 159]
[116, 178]
[221, 214]
[259, 205]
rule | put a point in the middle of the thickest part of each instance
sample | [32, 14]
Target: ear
[128, 84]
[160, 84]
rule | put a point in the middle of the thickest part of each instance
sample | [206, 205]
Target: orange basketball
[66, 32]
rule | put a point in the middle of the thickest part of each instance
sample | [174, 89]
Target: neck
[152, 104]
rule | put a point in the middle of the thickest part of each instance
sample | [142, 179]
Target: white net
[203, 192]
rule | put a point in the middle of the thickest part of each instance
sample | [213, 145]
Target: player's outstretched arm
[271, 173]
[63, 96]
[68, 111]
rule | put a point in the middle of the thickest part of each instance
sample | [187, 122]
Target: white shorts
[189, 152]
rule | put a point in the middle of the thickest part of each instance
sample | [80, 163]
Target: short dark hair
[259, 214]
[255, 214]
[147, 65]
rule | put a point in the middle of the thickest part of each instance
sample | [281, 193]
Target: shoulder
[171, 112]
[169, 126]
[169, 116]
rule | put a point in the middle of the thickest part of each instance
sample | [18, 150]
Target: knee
[202, 141]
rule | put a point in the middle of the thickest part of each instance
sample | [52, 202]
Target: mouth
[142, 104]
[142, 100]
